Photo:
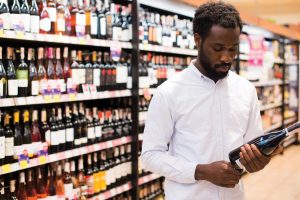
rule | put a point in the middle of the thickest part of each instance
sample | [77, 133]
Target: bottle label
[51, 197]
[70, 83]
[94, 25]
[117, 33]
[2, 147]
[82, 76]
[70, 134]
[45, 24]
[62, 136]
[103, 26]
[80, 24]
[61, 24]
[17, 22]
[122, 74]
[91, 133]
[76, 193]
[13, 87]
[22, 76]
[27, 148]
[1, 89]
[68, 190]
[130, 31]
[158, 35]
[61, 84]
[18, 150]
[125, 35]
[90, 184]
[26, 20]
[77, 142]
[43, 86]
[54, 140]
[35, 87]
[98, 131]
[9, 146]
[52, 14]
[96, 77]
[48, 137]
[84, 189]
[34, 23]
[83, 140]
[37, 146]
[75, 76]
[5, 20]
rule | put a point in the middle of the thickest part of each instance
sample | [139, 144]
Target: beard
[209, 68]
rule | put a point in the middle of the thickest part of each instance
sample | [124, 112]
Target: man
[196, 118]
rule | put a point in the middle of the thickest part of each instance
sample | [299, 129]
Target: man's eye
[218, 48]
[233, 49]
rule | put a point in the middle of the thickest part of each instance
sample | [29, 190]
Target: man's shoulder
[240, 81]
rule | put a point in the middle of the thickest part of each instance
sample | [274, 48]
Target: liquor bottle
[74, 11]
[108, 72]
[88, 70]
[110, 174]
[81, 179]
[33, 86]
[11, 75]
[96, 71]
[266, 143]
[45, 20]
[25, 15]
[80, 20]
[117, 23]
[3, 78]
[102, 171]
[54, 133]
[45, 129]
[51, 72]
[60, 25]
[90, 126]
[81, 70]
[21, 192]
[5, 15]
[59, 183]
[16, 23]
[27, 136]
[62, 131]
[97, 125]
[59, 74]
[89, 177]
[2, 142]
[102, 72]
[102, 31]
[123, 164]
[117, 161]
[75, 72]
[9, 140]
[113, 75]
[30, 186]
[52, 14]
[109, 18]
[18, 138]
[126, 34]
[93, 29]
[69, 129]
[87, 10]
[51, 187]
[97, 178]
[77, 127]
[40, 185]
[42, 73]
[22, 75]
[128, 165]
[34, 17]
[36, 134]
[68, 185]
[67, 72]
[68, 19]
[76, 187]
[84, 126]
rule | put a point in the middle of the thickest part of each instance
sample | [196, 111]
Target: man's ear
[198, 40]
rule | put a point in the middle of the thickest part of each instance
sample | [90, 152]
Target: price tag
[20, 101]
[23, 164]
[146, 179]
[42, 160]
[6, 168]
[1, 33]
[123, 140]
[72, 97]
[119, 190]
[113, 192]
[109, 144]
[39, 99]
[126, 187]
[57, 98]
[90, 148]
[82, 41]
[115, 50]
[47, 98]
[20, 35]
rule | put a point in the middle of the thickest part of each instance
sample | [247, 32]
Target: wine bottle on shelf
[3, 78]
[101, 20]
[25, 15]
[76, 187]
[54, 133]
[33, 86]
[77, 127]
[75, 73]
[60, 25]
[96, 71]
[45, 129]
[34, 17]
[9, 140]
[21, 192]
[87, 10]
[11, 75]
[30, 186]
[5, 15]
[84, 126]
[69, 129]
[18, 138]
[109, 18]
[42, 73]
[22, 75]
[45, 20]
[93, 29]
[89, 177]
[62, 130]
[117, 23]
[88, 70]
[36, 134]
[68, 185]
[51, 72]
[59, 183]
[90, 127]
[96, 172]
[52, 14]
[68, 19]
[103, 170]
[80, 20]
[50, 187]
[2, 142]
[266, 143]
[59, 74]
[81, 71]
[27, 136]
[97, 125]
[81, 179]
[16, 22]
[40, 185]
[67, 74]
[102, 73]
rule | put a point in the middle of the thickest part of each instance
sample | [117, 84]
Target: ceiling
[278, 11]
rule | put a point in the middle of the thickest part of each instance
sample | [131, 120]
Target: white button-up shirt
[193, 120]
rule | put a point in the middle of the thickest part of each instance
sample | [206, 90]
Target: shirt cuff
[189, 172]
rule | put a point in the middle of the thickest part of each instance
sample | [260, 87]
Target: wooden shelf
[65, 155]
[113, 192]
[270, 106]
[173, 50]
[61, 39]
[64, 98]
[148, 178]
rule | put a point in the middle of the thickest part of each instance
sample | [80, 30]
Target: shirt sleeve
[158, 132]
[254, 127]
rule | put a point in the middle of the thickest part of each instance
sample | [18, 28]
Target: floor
[280, 180]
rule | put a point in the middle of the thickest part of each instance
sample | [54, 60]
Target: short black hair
[215, 13]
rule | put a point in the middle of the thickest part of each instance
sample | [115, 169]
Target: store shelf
[267, 83]
[65, 155]
[150, 90]
[141, 136]
[270, 106]
[272, 128]
[173, 50]
[148, 178]
[61, 39]
[113, 192]
[278, 61]
[290, 120]
[64, 98]
[244, 57]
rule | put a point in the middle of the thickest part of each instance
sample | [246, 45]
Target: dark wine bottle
[266, 143]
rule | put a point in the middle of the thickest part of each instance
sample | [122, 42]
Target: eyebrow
[219, 44]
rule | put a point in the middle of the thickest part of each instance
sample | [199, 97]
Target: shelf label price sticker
[115, 51]
[47, 98]
[20, 35]
[42, 160]
[6, 168]
[126, 187]
[23, 164]
[109, 144]
[124, 140]
[72, 97]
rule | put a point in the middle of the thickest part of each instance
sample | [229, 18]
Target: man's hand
[220, 173]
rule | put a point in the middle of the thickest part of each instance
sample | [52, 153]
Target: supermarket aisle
[280, 180]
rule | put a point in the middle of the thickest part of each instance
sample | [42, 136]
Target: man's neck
[203, 71]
